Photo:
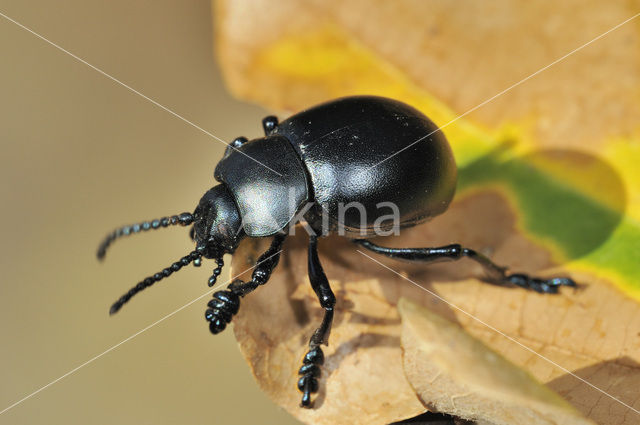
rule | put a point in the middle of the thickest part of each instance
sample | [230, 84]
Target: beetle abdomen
[375, 152]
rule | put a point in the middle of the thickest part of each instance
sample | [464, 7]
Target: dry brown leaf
[363, 381]
[594, 332]
[459, 375]
[302, 52]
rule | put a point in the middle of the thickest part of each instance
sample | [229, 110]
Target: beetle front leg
[310, 370]
[225, 304]
[497, 274]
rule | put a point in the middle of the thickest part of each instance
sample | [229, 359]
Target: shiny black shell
[268, 181]
[362, 149]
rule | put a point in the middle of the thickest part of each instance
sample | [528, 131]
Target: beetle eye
[192, 233]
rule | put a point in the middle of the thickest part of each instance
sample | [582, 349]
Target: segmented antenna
[184, 261]
[183, 219]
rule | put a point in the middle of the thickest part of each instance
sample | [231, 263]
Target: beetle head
[217, 227]
[217, 230]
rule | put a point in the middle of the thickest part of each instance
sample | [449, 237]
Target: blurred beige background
[80, 155]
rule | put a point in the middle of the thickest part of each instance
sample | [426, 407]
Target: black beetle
[365, 150]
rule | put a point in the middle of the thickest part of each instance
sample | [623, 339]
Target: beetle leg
[235, 144]
[225, 304]
[310, 370]
[269, 124]
[497, 274]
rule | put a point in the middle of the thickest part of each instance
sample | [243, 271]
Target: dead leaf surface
[593, 333]
[363, 380]
[457, 374]
[303, 52]
[446, 59]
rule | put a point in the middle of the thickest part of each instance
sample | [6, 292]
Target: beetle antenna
[183, 219]
[216, 272]
[184, 261]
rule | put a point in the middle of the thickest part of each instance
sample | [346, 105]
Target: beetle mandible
[362, 149]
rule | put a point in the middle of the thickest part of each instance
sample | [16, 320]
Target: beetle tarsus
[269, 124]
[545, 286]
[309, 374]
[235, 145]
[225, 304]
[222, 308]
